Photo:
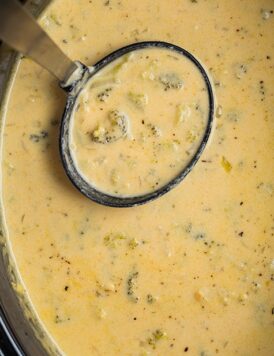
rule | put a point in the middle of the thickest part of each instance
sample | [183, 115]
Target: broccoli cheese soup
[192, 272]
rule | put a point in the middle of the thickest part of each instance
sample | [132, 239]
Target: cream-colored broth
[140, 121]
[190, 273]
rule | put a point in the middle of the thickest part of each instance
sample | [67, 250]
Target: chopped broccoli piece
[103, 95]
[139, 100]
[113, 239]
[116, 128]
[171, 81]
[131, 284]
[226, 164]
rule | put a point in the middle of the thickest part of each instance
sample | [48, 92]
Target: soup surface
[190, 273]
[139, 121]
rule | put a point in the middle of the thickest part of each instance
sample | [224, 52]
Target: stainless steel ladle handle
[21, 31]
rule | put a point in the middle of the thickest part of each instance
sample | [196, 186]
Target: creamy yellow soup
[190, 273]
[139, 121]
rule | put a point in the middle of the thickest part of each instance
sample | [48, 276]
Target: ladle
[21, 31]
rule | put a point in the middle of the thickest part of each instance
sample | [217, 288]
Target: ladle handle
[21, 31]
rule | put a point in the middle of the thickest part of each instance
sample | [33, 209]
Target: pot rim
[18, 318]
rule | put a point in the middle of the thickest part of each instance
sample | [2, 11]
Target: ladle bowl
[73, 173]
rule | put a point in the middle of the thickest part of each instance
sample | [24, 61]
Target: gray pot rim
[18, 320]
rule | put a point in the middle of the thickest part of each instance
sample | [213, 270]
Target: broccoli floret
[117, 126]
[170, 81]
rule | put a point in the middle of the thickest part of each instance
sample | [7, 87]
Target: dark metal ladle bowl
[85, 187]
[22, 32]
